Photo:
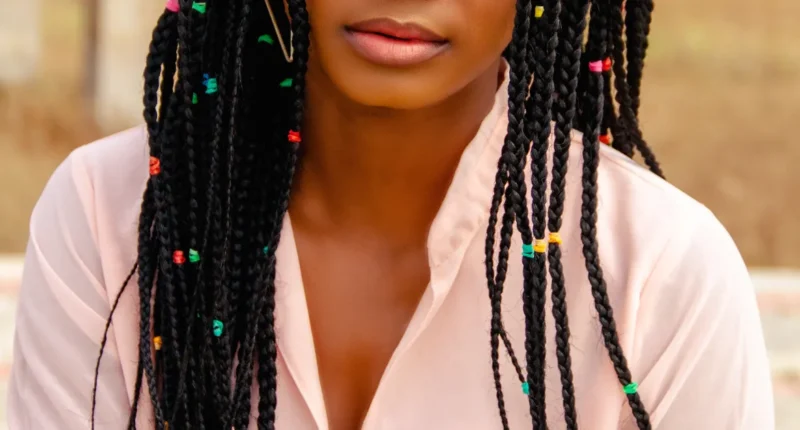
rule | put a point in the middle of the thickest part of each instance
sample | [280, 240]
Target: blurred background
[721, 99]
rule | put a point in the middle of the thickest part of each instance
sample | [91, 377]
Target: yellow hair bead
[538, 11]
[541, 246]
[555, 238]
[157, 343]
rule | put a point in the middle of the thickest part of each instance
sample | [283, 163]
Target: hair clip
[286, 83]
[155, 166]
[294, 136]
[631, 388]
[218, 326]
[538, 12]
[596, 66]
[605, 138]
[607, 64]
[527, 250]
[194, 256]
[555, 238]
[199, 7]
[178, 257]
[173, 6]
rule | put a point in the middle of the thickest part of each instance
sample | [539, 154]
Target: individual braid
[543, 40]
[638, 15]
[627, 118]
[509, 185]
[596, 48]
[573, 24]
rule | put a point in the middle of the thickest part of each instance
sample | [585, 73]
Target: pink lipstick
[390, 43]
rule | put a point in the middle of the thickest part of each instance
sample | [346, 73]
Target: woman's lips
[390, 43]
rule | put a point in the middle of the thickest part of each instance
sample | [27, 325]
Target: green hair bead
[195, 100]
[631, 388]
[194, 256]
[527, 250]
[266, 38]
[286, 83]
[526, 389]
[218, 327]
[199, 7]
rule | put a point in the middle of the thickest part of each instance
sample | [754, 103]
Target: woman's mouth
[390, 43]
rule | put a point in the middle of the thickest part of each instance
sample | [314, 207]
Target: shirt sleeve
[699, 348]
[62, 312]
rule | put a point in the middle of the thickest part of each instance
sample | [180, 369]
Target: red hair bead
[607, 64]
[155, 166]
[604, 138]
[294, 136]
[178, 257]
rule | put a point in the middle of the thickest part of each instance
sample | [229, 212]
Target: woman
[324, 200]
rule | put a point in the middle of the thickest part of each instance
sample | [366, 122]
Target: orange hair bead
[155, 166]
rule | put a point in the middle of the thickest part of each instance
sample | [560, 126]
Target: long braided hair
[224, 113]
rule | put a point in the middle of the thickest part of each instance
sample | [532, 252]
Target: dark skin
[380, 146]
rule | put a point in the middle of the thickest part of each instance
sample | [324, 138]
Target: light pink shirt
[682, 298]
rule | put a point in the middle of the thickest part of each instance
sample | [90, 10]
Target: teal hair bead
[266, 250]
[199, 7]
[218, 327]
[526, 389]
[527, 250]
[631, 388]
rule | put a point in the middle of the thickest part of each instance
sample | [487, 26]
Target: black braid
[235, 146]
[628, 118]
[596, 49]
[573, 22]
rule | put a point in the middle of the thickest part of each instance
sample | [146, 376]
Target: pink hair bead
[172, 6]
[596, 66]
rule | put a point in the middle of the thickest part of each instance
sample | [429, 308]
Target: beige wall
[124, 35]
[19, 40]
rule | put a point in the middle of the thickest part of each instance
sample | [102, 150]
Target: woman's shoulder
[94, 198]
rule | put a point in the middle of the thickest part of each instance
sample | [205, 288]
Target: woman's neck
[383, 172]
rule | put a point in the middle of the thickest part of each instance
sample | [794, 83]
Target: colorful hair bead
[195, 100]
[157, 343]
[173, 6]
[210, 84]
[541, 246]
[631, 388]
[266, 250]
[155, 166]
[266, 38]
[555, 238]
[194, 256]
[199, 7]
[607, 64]
[166, 425]
[294, 136]
[605, 138]
[526, 389]
[527, 250]
[178, 257]
[538, 12]
[218, 327]
[596, 66]
[286, 83]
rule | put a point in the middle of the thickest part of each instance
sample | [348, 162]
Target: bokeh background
[721, 106]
